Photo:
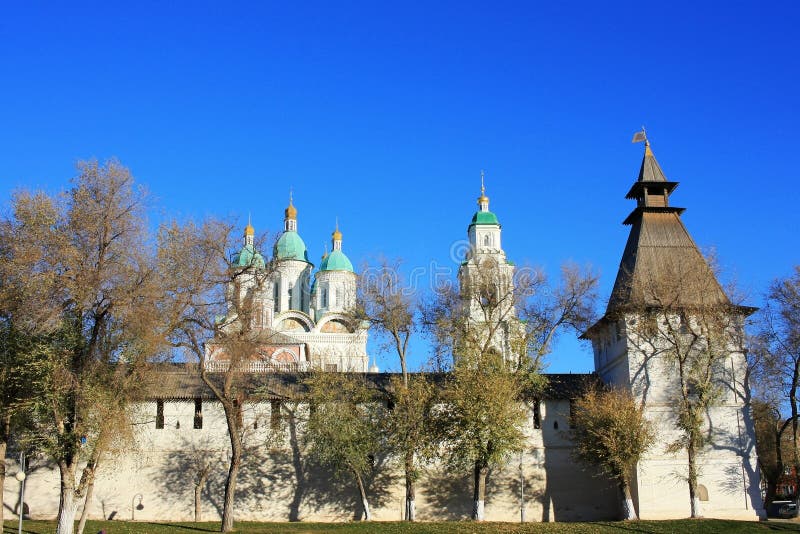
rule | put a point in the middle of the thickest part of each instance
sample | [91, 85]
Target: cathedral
[301, 321]
[299, 316]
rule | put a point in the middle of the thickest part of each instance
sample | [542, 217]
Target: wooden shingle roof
[180, 381]
[661, 262]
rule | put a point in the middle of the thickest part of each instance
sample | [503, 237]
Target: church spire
[651, 190]
[336, 237]
[249, 233]
[483, 200]
[290, 216]
[650, 170]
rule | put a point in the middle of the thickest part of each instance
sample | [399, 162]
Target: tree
[498, 329]
[20, 365]
[610, 430]
[218, 316]
[80, 270]
[411, 429]
[483, 415]
[778, 352]
[114, 433]
[343, 430]
[683, 322]
[773, 445]
[387, 305]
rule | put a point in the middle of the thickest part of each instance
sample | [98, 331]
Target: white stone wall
[161, 469]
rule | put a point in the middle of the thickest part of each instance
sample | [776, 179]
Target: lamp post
[20, 476]
[521, 489]
[139, 506]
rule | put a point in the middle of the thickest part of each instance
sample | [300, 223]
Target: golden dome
[337, 235]
[291, 211]
[249, 230]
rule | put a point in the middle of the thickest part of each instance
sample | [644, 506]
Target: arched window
[324, 299]
[702, 492]
[290, 291]
[339, 297]
[487, 240]
[276, 296]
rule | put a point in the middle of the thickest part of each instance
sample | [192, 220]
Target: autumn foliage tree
[344, 427]
[777, 355]
[388, 305]
[684, 325]
[216, 318]
[498, 329]
[610, 431]
[80, 272]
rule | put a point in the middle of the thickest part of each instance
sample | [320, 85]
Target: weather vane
[640, 136]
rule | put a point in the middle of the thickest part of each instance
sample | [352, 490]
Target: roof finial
[640, 136]
[483, 200]
[336, 237]
[291, 211]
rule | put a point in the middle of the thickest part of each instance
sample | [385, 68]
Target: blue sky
[384, 114]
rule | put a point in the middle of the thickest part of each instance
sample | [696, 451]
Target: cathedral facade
[299, 316]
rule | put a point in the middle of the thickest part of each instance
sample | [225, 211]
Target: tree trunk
[87, 502]
[364, 503]
[68, 506]
[772, 480]
[299, 469]
[694, 501]
[793, 405]
[198, 496]
[230, 484]
[628, 510]
[411, 505]
[4, 432]
[479, 493]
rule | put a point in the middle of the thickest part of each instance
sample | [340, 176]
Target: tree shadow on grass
[180, 526]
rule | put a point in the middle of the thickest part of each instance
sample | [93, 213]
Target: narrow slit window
[537, 414]
[198, 414]
[159, 414]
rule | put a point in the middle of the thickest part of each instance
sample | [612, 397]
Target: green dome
[248, 257]
[290, 246]
[336, 261]
[484, 217]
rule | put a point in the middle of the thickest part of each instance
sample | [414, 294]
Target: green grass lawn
[678, 526]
